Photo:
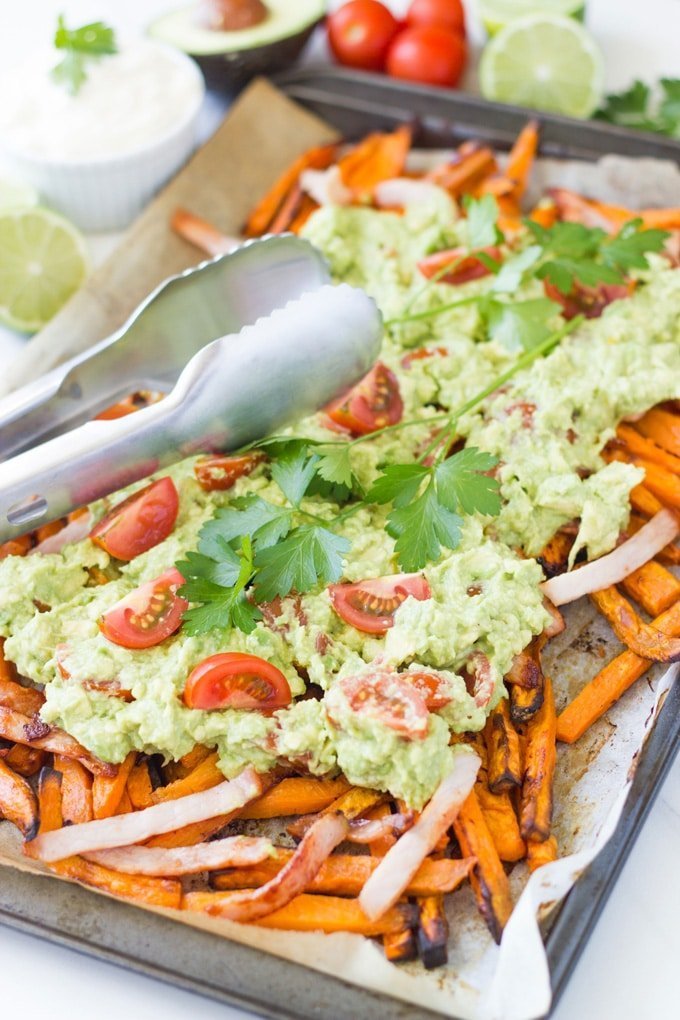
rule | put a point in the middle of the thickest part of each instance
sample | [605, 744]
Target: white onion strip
[75, 531]
[400, 863]
[232, 852]
[644, 545]
[121, 830]
[405, 192]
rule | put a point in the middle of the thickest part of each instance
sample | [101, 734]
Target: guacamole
[547, 428]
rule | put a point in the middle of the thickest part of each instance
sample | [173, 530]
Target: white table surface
[630, 968]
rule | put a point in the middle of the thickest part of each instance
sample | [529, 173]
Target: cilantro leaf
[482, 217]
[462, 482]
[223, 603]
[90, 42]
[644, 108]
[309, 556]
[513, 269]
[293, 470]
[261, 521]
[519, 325]
[421, 528]
[669, 108]
[565, 272]
[628, 248]
[398, 484]
[335, 465]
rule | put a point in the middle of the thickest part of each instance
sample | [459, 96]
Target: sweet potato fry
[653, 587]
[536, 802]
[317, 913]
[23, 729]
[14, 695]
[200, 233]
[174, 770]
[346, 874]
[288, 211]
[433, 932]
[124, 804]
[545, 214]
[661, 482]
[611, 683]
[488, 878]
[574, 208]
[500, 817]
[18, 803]
[525, 702]
[203, 777]
[539, 854]
[139, 788]
[16, 546]
[504, 765]
[641, 446]
[640, 637]
[107, 791]
[662, 427]
[260, 219]
[355, 802]
[76, 791]
[659, 219]
[379, 157]
[554, 557]
[379, 847]
[297, 796]
[49, 799]
[466, 172]
[190, 835]
[157, 892]
[521, 158]
[644, 501]
[24, 760]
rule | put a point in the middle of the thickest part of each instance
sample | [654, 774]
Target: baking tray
[160, 947]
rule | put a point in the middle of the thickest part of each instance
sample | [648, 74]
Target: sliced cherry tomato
[236, 680]
[588, 301]
[389, 699]
[140, 522]
[422, 354]
[433, 688]
[431, 54]
[221, 471]
[360, 32]
[372, 404]
[463, 267]
[449, 13]
[370, 605]
[148, 615]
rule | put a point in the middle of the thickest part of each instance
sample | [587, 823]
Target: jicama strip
[539, 854]
[346, 874]
[75, 531]
[398, 946]
[504, 767]
[616, 565]
[404, 192]
[203, 777]
[293, 878]
[670, 553]
[488, 878]
[611, 683]
[121, 830]
[315, 913]
[18, 803]
[351, 804]
[653, 587]
[401, 862]
[23, 729]
[76, 791]
[298, 796]
[662, 427]
[232, 852]
[540, 755]
[642, 638]
[107, 791]
[156, 892]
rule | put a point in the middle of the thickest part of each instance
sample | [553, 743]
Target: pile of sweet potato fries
[48, 782]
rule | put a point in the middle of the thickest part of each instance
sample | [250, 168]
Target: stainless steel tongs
[245, 343]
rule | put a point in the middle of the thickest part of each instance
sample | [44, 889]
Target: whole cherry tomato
[360, 32]
[430, 54]
[449, 13]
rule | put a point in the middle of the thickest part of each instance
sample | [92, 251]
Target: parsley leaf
[421, 528]
[519, 325]
[310, 555]
[513, 269]
[220, 588]
[334, 464]
[293, 470]
[628, 248]
[462, 482]
[252, 516]
[398, 484]
[482, 217]
[90, 42]
[644, 108]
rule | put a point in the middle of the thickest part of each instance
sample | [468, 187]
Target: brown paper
[262, 134]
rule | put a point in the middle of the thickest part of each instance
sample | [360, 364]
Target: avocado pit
[230, 15]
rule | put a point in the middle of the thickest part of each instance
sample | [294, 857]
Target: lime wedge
[496, 14]
[43, 260]
[15, 193]
[547, 62]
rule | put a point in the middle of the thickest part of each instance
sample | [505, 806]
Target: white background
[630, 968]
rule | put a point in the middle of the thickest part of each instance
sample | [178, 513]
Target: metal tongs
[287, 343]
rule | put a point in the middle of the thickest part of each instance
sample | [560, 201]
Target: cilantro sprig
[645, 108]
[80, 45]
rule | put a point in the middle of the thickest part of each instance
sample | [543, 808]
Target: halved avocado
[230, 59]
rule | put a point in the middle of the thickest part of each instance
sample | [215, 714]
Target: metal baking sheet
[160, 947]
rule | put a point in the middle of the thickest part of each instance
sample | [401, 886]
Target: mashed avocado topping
[547, 428]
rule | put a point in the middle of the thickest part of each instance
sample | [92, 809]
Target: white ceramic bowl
[105, 192]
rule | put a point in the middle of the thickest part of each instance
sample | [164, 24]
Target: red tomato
[430, 54]
[220, 471]
[236, 680]
[140, 522]
[422, 354]
[449, 13]
[372, 404]
[360, 32]
[370, 605]
[148, 615]
[433, 688]
[588, 301]
[389, 699]
[463, 267]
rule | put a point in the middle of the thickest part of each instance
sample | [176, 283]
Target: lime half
[15, 193]
[546, 62]
[496, 14]
[43, 260]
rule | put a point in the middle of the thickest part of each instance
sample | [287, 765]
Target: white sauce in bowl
[129, 102]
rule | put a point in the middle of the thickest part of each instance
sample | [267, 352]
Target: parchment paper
[481, 981]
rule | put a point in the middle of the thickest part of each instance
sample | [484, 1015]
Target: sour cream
[130, 101]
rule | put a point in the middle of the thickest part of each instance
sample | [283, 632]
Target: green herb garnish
[644, 108]
[80, 45]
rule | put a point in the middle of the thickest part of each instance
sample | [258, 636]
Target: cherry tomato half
[360, 32]
[449, 13]
[433, 688]
[431, 54]
[372, 404]
[220, 471]
[463, 267]
[236, 680]
[148, 615]
[140, 522]
[389, 699]
[370, 605]
[588, 301]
